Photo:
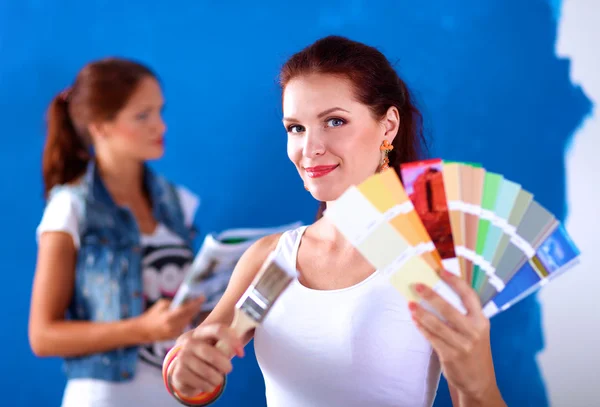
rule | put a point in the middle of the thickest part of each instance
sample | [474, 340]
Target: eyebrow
[320, 115]
[150, 106]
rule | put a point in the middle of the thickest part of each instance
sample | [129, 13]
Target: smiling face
[333, 139]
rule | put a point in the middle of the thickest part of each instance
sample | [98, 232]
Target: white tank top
[355, 346]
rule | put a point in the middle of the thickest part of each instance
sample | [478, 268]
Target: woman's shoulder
[63, 210]
[66, 197]
[70, 190]
[284, 242]
[260, 249]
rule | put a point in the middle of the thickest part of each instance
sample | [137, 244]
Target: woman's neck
[329, 234]
[122, 178]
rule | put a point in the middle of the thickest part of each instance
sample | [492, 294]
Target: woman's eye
[142, 116]
[295, 128]
[335, 122]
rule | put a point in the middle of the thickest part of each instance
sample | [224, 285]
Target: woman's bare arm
[49, 333]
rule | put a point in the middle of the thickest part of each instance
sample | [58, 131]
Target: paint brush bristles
[252, 308]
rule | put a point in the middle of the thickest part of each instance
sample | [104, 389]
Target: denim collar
[100, 194]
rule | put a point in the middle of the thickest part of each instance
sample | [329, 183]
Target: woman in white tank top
[340, 335]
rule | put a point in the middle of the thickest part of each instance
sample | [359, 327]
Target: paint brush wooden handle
[241, 324]
[251, 309]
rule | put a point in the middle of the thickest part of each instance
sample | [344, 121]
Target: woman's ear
[95, 130]
[391, 123]
[98, 130]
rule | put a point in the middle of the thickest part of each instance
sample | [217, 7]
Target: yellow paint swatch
[385, 191]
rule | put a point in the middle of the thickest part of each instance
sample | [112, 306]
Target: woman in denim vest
[114, 240]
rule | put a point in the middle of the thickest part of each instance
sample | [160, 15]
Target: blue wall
[487, 78]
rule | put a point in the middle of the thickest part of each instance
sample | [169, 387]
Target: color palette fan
[459, 217]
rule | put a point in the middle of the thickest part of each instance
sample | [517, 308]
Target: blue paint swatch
[555, 255]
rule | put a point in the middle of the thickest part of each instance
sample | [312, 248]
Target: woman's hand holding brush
[200, 366]
[195, 369]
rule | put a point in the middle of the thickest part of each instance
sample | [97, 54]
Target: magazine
[211, 269]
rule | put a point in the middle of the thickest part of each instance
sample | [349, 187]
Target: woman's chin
[325, 193]
[155, 153]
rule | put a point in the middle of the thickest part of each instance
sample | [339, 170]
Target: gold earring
[385, 147]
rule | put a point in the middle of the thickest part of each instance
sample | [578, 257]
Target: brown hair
[101, 89]
[376, 84]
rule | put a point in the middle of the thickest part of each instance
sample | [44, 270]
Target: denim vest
[108, 274]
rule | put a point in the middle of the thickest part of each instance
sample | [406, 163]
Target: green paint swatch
[491, 187]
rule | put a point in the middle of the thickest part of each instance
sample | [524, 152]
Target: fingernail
[419, 287]
[412, 306]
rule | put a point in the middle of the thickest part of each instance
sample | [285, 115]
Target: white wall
[571, 314]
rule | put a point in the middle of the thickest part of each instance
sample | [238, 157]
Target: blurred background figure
[113, 240]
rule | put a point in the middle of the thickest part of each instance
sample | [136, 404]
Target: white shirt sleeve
[61, 214]
[189, 204]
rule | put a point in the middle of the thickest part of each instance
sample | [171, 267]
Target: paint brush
[256, 302]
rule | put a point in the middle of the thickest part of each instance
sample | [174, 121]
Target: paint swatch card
[370, 231]
[505, 202]
[555, 255]
[491, 191]
[424, 183]
[367, 229]
[458, 217]
[472, 187]
[536, 225]
[452, 185]
[386, 193]
[522, 202]
[416, 271]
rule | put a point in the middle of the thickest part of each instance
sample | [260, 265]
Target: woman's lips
[320, 170]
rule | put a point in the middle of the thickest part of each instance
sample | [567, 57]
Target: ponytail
[65, 153]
